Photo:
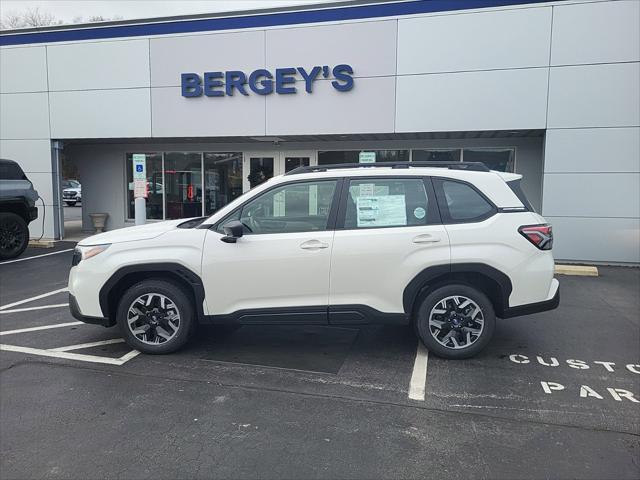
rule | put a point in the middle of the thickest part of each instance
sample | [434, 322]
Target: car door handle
[313, 245]
[426, 238]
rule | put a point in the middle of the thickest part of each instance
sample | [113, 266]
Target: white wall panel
[172, 56]
[24, 115]
[596, 239]
[177, 116]
[35, 227]
[591, 195]
[491, 100]
[369, 47]
[31, 155]
[83, 66]
[595, 96]
[368, 108]
[43, 183]
[475, 41]
[599, 32]
[593, 150]
[101, 113]
[23, 70]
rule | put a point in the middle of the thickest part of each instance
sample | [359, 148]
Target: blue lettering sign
[263, 82]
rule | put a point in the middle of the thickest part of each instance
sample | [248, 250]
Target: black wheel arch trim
[189, 277]
[429, 277]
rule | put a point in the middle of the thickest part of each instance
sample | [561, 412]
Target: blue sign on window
[263, 82]
[138, 168]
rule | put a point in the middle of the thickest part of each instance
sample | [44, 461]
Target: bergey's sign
[263, 82]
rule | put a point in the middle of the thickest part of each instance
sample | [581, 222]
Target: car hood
[131, 234]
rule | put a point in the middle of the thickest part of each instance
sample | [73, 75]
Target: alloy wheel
[153, 318]
[456, 322]
[11, 236]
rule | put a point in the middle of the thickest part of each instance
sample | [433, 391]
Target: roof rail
[472, 166]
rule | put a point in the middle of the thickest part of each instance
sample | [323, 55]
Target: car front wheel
[71, 204]
[14, 235]
[455, 321]
[155, 316]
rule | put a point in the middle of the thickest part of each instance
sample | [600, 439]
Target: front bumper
[75, 312]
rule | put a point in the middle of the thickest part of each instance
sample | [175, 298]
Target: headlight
[85, 252]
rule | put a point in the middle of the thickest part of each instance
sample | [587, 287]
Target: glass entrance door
[261, 166]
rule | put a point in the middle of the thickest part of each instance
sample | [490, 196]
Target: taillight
[540, 235]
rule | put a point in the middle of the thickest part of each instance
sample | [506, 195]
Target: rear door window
[387, 202]
[11, 171]
[461, 203]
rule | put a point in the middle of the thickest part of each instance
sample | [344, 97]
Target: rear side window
[461, 203]
[387, 202]
[11, 171]
[517, 189]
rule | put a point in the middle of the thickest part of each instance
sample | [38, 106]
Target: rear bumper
[33, 213]
[530, 308]
[75, 312]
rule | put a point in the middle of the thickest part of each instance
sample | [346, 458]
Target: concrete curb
[579, 270]
[41, 243]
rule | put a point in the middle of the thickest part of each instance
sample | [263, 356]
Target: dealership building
[214, 104]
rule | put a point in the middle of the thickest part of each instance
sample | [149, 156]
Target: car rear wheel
[155, 316]
[71, 204]
[455, 321]
[14, 235]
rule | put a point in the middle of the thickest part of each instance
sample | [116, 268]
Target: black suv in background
[17, 209]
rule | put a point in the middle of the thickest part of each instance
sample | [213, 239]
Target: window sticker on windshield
[419, 213]
[381, 211]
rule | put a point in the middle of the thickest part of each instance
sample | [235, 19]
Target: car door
[388, 231]
[278, 271]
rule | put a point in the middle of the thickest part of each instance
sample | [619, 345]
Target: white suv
[444, 247]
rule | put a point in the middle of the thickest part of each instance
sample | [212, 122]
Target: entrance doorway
[260, 166]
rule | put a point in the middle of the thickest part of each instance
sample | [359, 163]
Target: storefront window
[222, 179]
[353, 156]
[436, 155]
[500, 159]
[154, 185]
[183, 184]
[260, 170]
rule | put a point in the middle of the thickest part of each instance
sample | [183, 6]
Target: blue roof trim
[254, 21]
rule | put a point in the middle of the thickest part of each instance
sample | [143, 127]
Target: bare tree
[37, 18]
[33, 17]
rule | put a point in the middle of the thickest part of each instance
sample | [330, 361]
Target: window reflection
[222, 179]
[353, 156]
[183, 181]
[452, 155]
[500, 159]
[260, 170]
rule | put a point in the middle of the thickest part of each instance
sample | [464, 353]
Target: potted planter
[98, 220]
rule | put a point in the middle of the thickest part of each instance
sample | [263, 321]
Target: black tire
[175, 294]
[71, 204]
[455, 321]
[14, 235]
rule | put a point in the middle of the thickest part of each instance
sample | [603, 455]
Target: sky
[66, 10]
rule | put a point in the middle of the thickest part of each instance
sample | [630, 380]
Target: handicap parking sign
[139, 168]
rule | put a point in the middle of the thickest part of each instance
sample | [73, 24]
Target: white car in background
[445, 249]
[71, 192]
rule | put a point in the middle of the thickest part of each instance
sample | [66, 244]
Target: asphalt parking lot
[554, 396]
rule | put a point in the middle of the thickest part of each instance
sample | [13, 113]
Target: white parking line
[43, 307]
[417, 385]
[37, 297]
[87, 345]
[36, 256]
[70, 356]
[44, 327]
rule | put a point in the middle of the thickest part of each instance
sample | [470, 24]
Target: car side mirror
[233, 231]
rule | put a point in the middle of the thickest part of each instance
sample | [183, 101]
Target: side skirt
[312, 315]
